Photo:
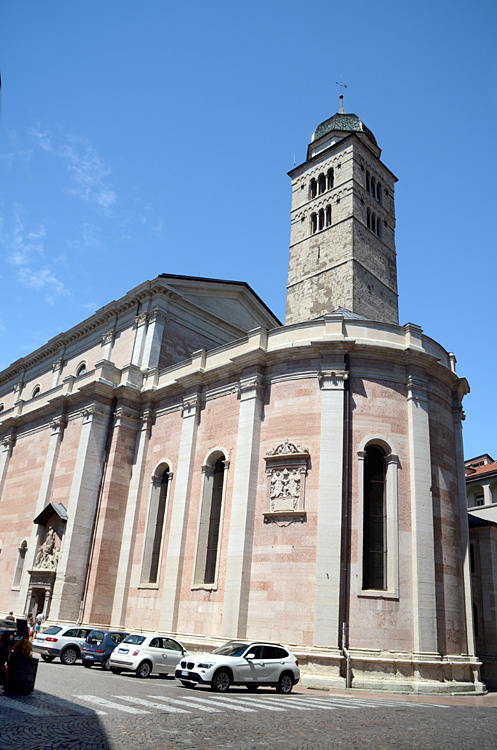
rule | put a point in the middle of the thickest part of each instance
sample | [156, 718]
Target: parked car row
[251, 664]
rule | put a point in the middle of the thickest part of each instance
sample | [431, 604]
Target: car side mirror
[250, 656]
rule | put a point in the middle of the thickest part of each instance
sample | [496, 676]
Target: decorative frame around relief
[286, 471]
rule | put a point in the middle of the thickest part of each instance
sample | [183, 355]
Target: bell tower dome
[342, 243]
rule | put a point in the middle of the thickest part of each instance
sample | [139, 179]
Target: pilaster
[7, 446]
[330, 512]
[83, 498]
[179, 513]
[423, 544]
[141, 330]
[236, 594]
[153, 339]
[118, 617]
[458, 417]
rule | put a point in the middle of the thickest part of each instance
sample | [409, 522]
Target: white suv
[241, 663]
[144, 654]
[60, 640]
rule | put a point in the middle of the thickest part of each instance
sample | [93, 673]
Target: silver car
[144, 654]
[64, 641]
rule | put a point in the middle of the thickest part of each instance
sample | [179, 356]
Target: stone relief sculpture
[47, 556]
[286, 469]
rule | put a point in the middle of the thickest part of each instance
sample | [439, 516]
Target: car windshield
[136, 640]
[231, 649]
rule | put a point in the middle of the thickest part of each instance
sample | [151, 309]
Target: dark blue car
[98, 647]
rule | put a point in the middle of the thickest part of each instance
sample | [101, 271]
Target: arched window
[378, 223]
[155, 525]
[374, 542]
[329, 179]
[81, 370]
[36, 392]
[368, 218]
[328, 216]
[378, 192]
[368, 182]
[373, 187]
[312, 188]
[21, 556]
[209, 532]
[322, 183]
[1, 407]
[476, 496]
[314, 223]
[493, 492]
[321, 219]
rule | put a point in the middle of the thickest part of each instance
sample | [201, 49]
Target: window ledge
[378, 594]
[144, 585]
[204, 587]
[275, 515]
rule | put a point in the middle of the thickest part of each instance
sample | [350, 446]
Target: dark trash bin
[21, 675]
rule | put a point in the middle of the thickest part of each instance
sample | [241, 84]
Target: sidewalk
[478, 701]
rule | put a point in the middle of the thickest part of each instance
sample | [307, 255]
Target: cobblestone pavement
[75, 708]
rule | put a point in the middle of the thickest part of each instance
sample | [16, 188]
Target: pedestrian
[30, 621]
[11, 617]
[39, 620]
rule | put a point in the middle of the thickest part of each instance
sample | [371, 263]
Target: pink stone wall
[17, 508]
[448, 553]
[379, 407]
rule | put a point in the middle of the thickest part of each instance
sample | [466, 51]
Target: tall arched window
[368, 218]
[373, 187]
[155, 524]
[36, 392]
[328, 216]
[21, 556]
[209, 533]
[374, 519]
[329, 179]
[368, 182]
[322, 183]
[314, 223]
[321, 218]
[312, 188]
[378, 192]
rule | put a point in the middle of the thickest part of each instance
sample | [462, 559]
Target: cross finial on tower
[342, 86]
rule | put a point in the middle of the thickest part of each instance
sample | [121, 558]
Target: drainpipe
[348, 675]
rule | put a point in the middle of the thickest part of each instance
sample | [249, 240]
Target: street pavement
[75, 708]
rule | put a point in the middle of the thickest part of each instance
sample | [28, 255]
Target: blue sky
[155, 137]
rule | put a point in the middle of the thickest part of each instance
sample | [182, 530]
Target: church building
[182, 462]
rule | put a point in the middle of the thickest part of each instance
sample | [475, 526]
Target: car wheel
[69, 656]
[115, 670]
[252, 688]
[187, 684]
[144, 669]
[87, 664]
[106, 664]
[285, 683]
[221, 681]
[47, 658]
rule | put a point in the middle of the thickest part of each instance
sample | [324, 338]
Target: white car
[64, 641]
[241, 663]
[146, 653]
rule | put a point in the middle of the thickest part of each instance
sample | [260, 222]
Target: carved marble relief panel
[286, 470]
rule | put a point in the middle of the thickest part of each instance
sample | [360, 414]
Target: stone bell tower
[342, 244]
